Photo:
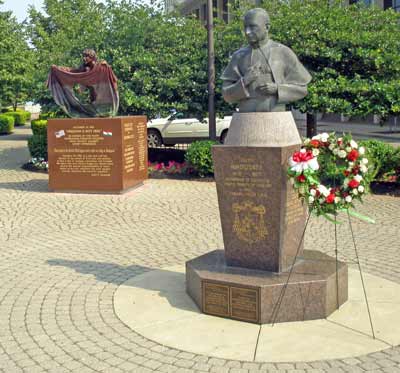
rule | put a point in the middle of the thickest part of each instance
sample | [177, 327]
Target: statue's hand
[268, 88]
[251, 75]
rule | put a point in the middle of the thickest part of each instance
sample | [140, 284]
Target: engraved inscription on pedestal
[215, 299]
[261, 216]
[245, 304]
[97, 154]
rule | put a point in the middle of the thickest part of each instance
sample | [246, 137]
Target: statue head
[89, 57]
[256, 26]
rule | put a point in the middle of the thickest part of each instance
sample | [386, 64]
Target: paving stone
[64, 255]
[202, 367]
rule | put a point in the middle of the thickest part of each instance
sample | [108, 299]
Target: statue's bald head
[257, 14]
[256, 26]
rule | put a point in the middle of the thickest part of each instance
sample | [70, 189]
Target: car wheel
[154, 139]
[223, 137]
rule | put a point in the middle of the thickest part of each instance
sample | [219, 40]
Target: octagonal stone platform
[314, 290]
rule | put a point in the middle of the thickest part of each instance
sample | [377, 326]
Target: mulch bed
[164, 155]
[388, 188]
[31, 167]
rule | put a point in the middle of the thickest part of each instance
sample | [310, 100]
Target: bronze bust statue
[96, 78]
[266, 75]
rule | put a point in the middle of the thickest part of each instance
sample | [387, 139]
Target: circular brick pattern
[64, 255]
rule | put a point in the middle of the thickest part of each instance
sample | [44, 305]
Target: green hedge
[199, 157]
[383, 158]
[20, 116]
[6, 124]
[39, 127]
[37, 145]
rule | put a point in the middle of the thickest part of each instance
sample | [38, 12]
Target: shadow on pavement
[16, 137]
[117, 274]
[34, 185]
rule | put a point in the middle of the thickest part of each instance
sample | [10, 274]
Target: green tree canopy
[353, 53]
[160, 59]
[16, 61]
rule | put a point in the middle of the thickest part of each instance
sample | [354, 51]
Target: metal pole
[211, 72]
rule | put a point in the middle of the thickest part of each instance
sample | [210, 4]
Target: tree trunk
[311, 121]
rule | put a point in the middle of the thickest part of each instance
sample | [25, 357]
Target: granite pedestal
[252, 295]
[263, 224]
[97, 155]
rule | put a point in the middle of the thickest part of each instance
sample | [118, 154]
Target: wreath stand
[356, 261]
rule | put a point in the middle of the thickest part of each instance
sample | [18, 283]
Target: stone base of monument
[259, 296]
[97, 155]
[263, 224]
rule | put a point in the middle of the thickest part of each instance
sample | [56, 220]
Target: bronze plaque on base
[97, 154]
[245, 303]
[239, 303]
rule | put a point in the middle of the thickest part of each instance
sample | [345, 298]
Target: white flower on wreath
[360, 188]
[363, 168]
[354, 191]
[335, 151]
[349, 149]
[331, 146]
[342, 154]
[364, 160]
[348, 199]
[323, 190]
[313, 192]
[353, 144]
[346, 182]
[358, 178]
[324, 137]
[310, 199]
[351, 164]
[337, 199]
[315, 152]
[361, 151]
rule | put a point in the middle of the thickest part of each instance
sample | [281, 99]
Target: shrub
[52, 114]
[37, 145]
[383, 158]
[199, 157]
[6, 124]
[39, 127]
[20, 116]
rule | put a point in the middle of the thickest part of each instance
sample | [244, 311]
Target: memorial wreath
[329, 173]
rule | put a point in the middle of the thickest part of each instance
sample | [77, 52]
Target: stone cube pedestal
[252, 295]
[97, 155]
[263, 222]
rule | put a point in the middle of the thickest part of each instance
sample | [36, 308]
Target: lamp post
[211, 71]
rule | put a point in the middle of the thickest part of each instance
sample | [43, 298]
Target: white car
[176, 129]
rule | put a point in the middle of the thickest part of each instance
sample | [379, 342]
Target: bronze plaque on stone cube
[239, 303]
[245, 303]
[215, 299]
[97, 154]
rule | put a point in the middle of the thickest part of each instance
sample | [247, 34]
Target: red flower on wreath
[353, 155]
[303, 156]
[354, 183]
[301, 178]
[315, 143]
[330, 198]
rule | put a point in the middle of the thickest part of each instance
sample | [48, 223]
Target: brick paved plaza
[63, 256]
